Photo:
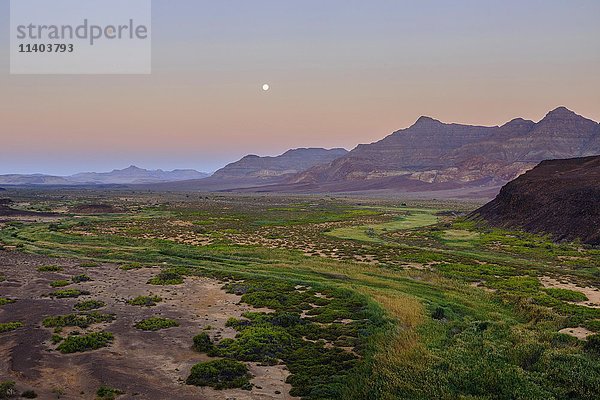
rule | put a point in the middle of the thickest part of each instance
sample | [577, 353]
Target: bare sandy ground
[145, 365]
[592, 293]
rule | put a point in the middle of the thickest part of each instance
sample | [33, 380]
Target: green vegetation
[69, 293]
[131, 266]
[203, 343]
[4, 301]
[50, 268]
[156, 324]
[107, 393]
[81, 278]
[7, 389]
[10, 326]
[566, 295]
[145, 301]
[82, 343]
[88, 305]
[79, 320]
[370, 300]
[167, 278]
[29, 394]
[89, 264]
[59, 283]
[220, 374]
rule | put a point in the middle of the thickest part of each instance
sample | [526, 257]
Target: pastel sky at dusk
[342, 72]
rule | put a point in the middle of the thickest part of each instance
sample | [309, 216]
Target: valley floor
[319, 297]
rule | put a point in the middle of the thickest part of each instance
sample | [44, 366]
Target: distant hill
[432, 155]
[134, 175]
[559, 197]
[253, 170]
[130, 175]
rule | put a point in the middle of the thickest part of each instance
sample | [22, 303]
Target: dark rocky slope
[558, 197]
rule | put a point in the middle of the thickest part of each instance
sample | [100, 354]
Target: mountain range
[130, 175]
[428, 157]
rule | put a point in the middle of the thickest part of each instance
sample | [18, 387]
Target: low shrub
[107, 393]
[92, 341]
[128, 267]
[5, 301]
[88, 305]
[59, 283]
[7, 389]
[220, 374]
[203, 343]
[156, 324]
[89, 265]
[146, 301]
[167, 278]
[29, 394]
[69, 293]
[566, 295]
[592, 344]
[78, 320]
[49, 268]
[10, 326]
[81, 278]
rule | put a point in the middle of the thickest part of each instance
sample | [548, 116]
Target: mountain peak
[561, 113]
[423, 119]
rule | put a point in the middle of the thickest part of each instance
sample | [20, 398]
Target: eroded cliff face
[434, 152]
[558, 197]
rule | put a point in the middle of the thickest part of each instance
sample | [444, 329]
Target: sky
[341, 72]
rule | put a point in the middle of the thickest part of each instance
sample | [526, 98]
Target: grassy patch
[10, 326]
[4, 301]
[145, 301]
[81, 278]
[82, 343]
[59, 283]
[566, 294]
[156, 323]
[107, 393]
[220, 374]
[88, 305]
[50, 268]
[79, 320]
[69, 293]
[167, 278]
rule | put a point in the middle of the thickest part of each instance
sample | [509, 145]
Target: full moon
[266, 87]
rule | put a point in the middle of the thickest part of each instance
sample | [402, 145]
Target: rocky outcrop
[558, 197]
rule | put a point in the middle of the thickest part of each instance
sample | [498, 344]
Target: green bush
[107, 393]
[69, 293]
[566, 295]
[5, 301]
[203, 343]
[220, 374]
[78, 320]
[593, 344]
[59, 283]
[88, 305]
[89, 264]
[81, 278]
[10, 326]
[92, 341]
[156, 323]
[264, 344]
[167, 278]
[29, 394]
[7, 390]
[146, 301]
[50, 268]
[134, 265]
